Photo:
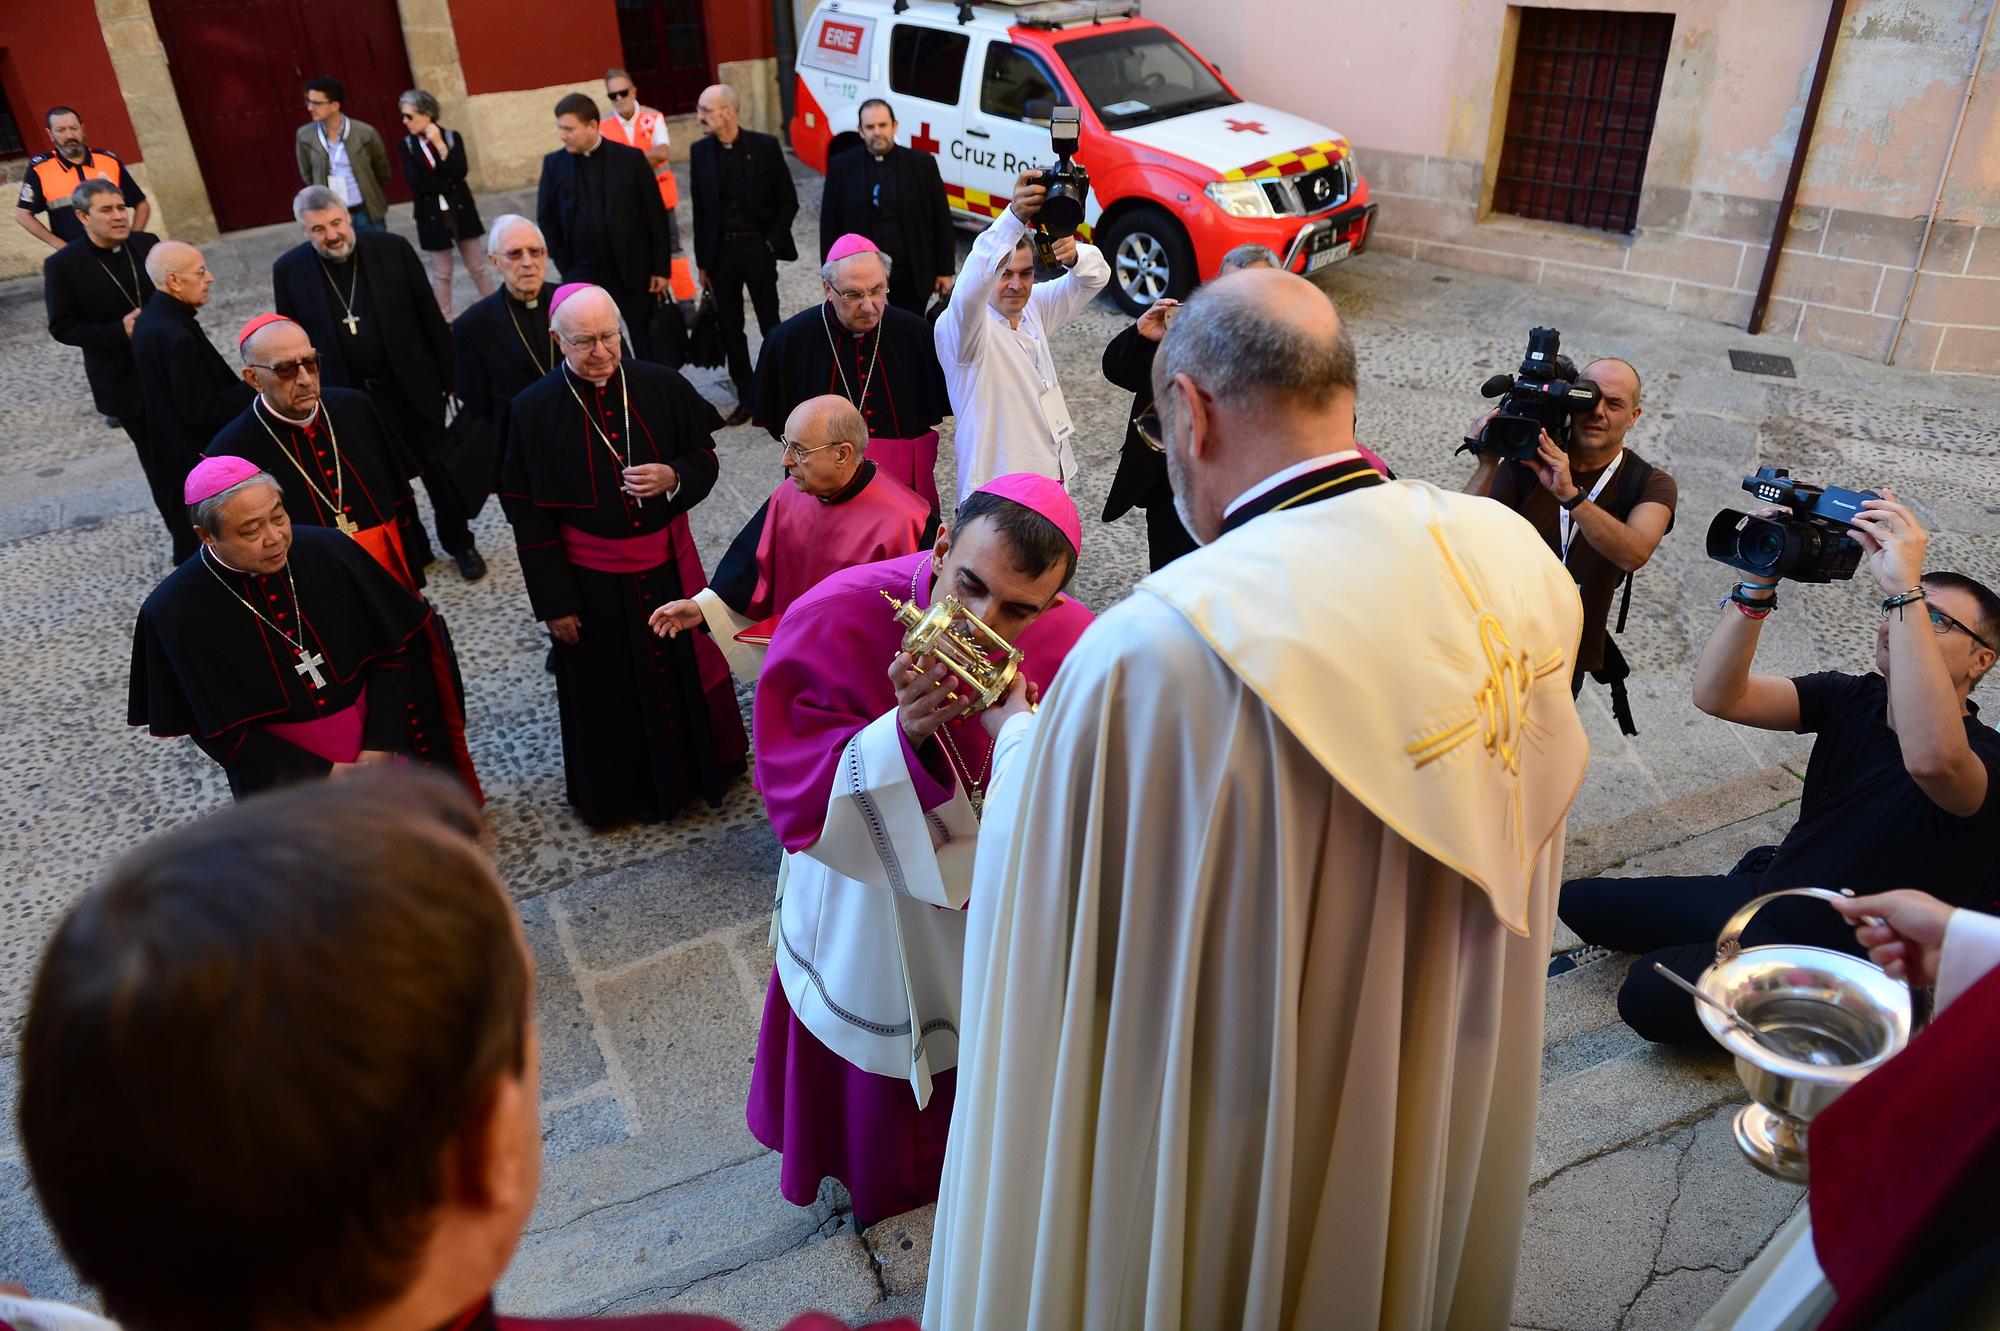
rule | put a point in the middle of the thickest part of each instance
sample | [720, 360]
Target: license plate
[1332, 254]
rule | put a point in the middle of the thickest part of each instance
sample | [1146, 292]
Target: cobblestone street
[651, 941]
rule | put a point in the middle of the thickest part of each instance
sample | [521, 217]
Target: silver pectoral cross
[309, 664]
[353, 322]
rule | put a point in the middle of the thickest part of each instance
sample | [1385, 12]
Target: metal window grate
[1580, 115]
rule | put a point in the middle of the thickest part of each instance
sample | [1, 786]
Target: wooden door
[240, 68]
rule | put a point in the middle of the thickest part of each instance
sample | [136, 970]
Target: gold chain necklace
[343, 523]
[861, 403]
[591, 420]
[309, 662]
[526, 345]
[353, 320]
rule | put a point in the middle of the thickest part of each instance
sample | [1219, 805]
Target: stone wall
[1841, 280]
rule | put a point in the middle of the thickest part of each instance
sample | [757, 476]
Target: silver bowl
[1824, 1019]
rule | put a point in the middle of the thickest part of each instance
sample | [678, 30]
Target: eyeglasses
[409, 115]
[516, 255]
[1152, 432]
[289, 370]
[799, 451]
[1942, 623]
[856, 297]
[199, 270]
[618, 95]
[321, 102]
[609, 341]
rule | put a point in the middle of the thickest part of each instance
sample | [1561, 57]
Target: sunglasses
[619, 96]
[288, 370]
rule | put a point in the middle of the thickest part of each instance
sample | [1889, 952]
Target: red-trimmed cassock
[206, 666]
[342, 468]
[648, 723]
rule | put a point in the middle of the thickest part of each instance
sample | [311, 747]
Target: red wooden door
[240, 69]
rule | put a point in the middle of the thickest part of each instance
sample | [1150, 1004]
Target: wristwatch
[1571, 502]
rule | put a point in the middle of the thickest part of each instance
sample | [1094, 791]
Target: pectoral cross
[353, 322]
[309, 664]
[344, 524]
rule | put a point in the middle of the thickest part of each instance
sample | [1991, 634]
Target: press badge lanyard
[1566, 521]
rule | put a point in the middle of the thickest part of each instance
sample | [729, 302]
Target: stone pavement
[651, 941]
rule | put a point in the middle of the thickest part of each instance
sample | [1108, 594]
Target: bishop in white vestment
[1252, 1018]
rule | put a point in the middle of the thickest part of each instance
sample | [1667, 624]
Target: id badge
[1055, 415]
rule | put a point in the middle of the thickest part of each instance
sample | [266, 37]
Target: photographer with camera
[993, 340]
[1554, 452]
[1903, 787]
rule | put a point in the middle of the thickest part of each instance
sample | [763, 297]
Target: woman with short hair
[434, 164]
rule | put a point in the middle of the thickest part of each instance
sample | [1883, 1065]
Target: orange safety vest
[58, 179]
[643, 126]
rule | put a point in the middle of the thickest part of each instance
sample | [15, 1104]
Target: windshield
[1139, 75]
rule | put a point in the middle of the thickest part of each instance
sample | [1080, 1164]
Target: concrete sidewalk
[651, 941]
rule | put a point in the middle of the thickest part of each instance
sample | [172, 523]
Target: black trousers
[166, 481]
[744, 261]
[420, 436]
[1675, 921]
[1166, 539]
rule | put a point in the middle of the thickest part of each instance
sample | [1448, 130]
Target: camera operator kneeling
[1902, 790]
[1602, 508]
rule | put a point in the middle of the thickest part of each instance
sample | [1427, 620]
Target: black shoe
[740, 416]
[111, 421]
[471, 564]
[549, 661]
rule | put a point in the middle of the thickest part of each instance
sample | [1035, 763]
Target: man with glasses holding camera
[1902, 790]
[605, 456]
[1601, 508]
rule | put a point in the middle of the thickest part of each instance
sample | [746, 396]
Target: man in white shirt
[993, 341]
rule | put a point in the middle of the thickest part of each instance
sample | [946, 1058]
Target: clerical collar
[1303, 483]
[855, 485]
[305, 423]
[534, 304]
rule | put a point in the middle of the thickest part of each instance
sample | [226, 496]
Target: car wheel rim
[1143, 269]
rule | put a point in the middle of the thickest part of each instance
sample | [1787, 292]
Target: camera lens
[1762, 547]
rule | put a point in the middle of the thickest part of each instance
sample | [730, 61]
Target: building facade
[203, 97]
[1640, 148]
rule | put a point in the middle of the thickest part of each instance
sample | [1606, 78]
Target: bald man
[834, 510]
[1303, 1060]
[744, 204]
[605, 456]
[189, 391]
[1601, 507]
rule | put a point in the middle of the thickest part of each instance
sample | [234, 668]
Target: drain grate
[1757, 362]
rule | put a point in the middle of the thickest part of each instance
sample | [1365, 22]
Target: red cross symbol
[923, 142]
[1236, 126]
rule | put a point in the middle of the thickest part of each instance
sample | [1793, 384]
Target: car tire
[1150, 257]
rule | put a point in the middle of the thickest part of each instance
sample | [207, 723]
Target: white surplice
[1252, 1027]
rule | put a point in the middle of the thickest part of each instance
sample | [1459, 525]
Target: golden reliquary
[982, 658]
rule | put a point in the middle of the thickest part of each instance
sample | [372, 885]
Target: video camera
[1542, 395]
[1809, 544]
[1067, 183]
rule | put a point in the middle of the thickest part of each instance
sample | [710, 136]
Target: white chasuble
[871, 933]
[1259, 940]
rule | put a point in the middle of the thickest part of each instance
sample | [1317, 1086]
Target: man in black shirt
[1903, 789]
[894, 196]
[744, 204]
[599, 207]
[95, 287]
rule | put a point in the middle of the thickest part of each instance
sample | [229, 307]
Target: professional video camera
[1067, 183]
[1809, 544]
[1543, 395]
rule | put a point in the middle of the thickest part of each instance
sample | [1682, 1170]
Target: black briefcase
[467, 457]
[705, 347]
[670, 332]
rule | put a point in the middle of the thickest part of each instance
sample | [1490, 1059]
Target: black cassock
[499, 346]
[366, 473]
[648, 723]
[810, 354]
[203, 665]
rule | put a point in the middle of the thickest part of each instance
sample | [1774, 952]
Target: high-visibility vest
[644, 124]
[58, 179]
